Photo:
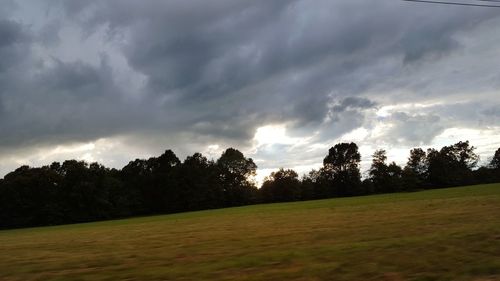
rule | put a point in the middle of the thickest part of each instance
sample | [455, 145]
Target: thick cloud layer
[141, 76]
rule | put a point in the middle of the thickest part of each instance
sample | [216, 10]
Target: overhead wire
[459, 3]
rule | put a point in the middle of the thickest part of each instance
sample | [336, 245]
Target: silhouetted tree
[235, 172]
[385, 178]
[137, 179]
[281, 186]
[436, 168]
[495, 161]
[164, 185]
[367, 186]
[28, 197]
[452, 165]
[151, 185]
[486, 175]
[76, 191]
[378, 171]
[85, 195]
[490, 173]
[415, 171]
[200, 187]
[341, 166]
[395, 181]
[316, 185]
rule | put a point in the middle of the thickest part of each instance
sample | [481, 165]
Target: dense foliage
[75, 191]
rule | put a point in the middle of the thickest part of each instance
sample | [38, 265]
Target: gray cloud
[413, 130]
[351, 103]
[14, 42]
[49, 33]
[192, 73]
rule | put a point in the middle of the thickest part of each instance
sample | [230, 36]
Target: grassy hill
[446, 234]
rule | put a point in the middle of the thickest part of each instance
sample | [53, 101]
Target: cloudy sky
[282, 81]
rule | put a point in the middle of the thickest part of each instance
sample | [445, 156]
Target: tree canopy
[341, 166]
[76, 191]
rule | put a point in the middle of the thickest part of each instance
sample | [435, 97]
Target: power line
[458, 3]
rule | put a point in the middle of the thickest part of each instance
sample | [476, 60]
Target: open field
[447, 234]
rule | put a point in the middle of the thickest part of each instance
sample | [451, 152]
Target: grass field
[447, 234]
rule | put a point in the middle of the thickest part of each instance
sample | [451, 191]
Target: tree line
[75, 191]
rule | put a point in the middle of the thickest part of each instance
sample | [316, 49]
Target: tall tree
[395, 181]
[385, 178]
[378, 171]
[342, 168]
[235, 172]
[495, 161]
[417, 162]
[164, 183]
[138, 186]
[415, 171]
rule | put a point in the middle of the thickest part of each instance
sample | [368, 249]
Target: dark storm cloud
[343, 116]
[64, 101]
[353, 103]
[213, 72]
[208, 58]
[13, 43]
[10, 33]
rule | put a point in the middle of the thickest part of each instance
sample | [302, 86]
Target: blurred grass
[445, 234]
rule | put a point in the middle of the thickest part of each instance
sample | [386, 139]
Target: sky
[282, 81]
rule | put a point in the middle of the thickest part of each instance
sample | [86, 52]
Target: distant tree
[200, 187]
[84, 193]
[462, 154]
[342, 157]
[151, 185]
[121, 201]
[395, 178]
[415, 171]
[489, 173]
[495, 161]
[138, 187]
[164, 163]
[316, 185]
[379, 171]
[452, 165]
[417, 162]
[367, 186]
[76, 191]
[235, 172]
[385, 178]
[164, 185]
[436, 168]
[341, 166]
[486, 175]
[28, 197]
[307, 187]
[237, 168]
[281, 186]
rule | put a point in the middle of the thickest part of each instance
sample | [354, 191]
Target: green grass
[447, 234]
